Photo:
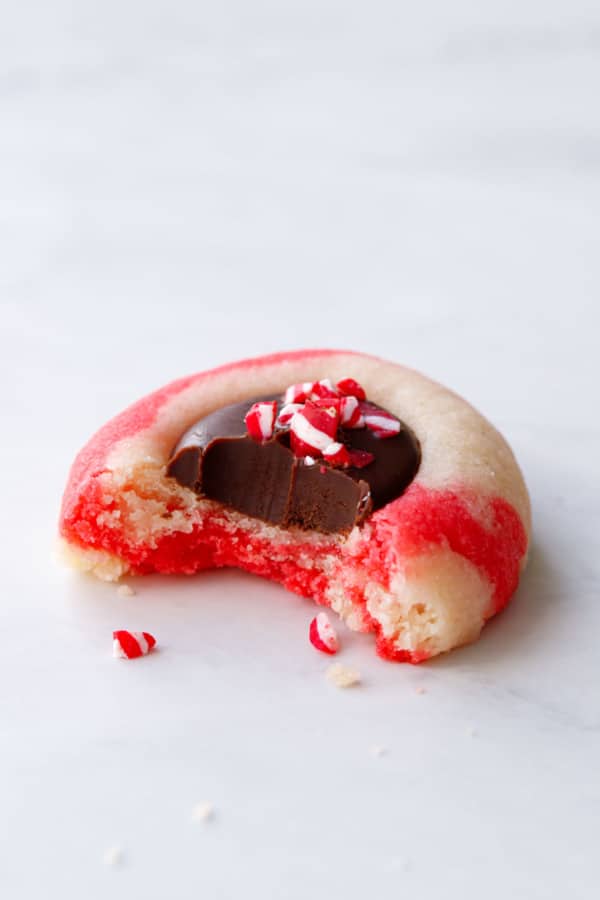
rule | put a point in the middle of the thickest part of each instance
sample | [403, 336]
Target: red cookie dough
[424, 572]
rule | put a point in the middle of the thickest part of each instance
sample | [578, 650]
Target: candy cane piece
[351, 388]
[131, 644]
[380, 422]
[323, 389]
[260, 420]
[350, 414]
[287, 413]
[312, 430]
[322, 634]
[360, 458]
[298, 393]
[337, 454]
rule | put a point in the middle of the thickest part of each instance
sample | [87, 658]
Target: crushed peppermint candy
[337, 454]
[351, 388]
[298, 393]
[260, 420]
[383, 424]
[322, 634]
[360, 458]
[312, 430]
[313, 412]
[323, 389]
[132, 644]
[350, 414]
[287, 413]
[333, 404]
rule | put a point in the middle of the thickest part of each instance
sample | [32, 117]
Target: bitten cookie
[351, 480]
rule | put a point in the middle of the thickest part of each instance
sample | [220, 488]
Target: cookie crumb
[125, 590]
[113, 856]
[378, 750]
[399, 864]
[420, 690]
[202, 812]
[342, 676]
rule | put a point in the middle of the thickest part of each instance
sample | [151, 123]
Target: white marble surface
[184, 183]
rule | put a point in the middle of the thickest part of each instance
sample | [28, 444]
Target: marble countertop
[186, 183]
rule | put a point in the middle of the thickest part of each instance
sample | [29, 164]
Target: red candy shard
[323, 389]
[350, 414]
[132, 644]
[360, 458]
[260, 420]
[383, 424]
[337, 454]
[322, 634]
[313, 429]
[351, 388]
[332, 403]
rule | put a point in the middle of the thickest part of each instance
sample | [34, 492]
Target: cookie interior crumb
[113, 856]
[342, 676]
[378, 750]
[400, 864]
[125, 590]
[203, 811]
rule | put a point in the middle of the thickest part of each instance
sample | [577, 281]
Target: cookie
[357, 482]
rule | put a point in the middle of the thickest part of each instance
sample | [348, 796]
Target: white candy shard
[287, 413]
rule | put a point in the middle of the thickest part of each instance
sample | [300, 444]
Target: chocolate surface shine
[217, 459]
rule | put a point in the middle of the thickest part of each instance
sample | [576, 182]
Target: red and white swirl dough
[424, 572]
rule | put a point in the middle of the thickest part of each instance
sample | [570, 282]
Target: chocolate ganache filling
[218, 459]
